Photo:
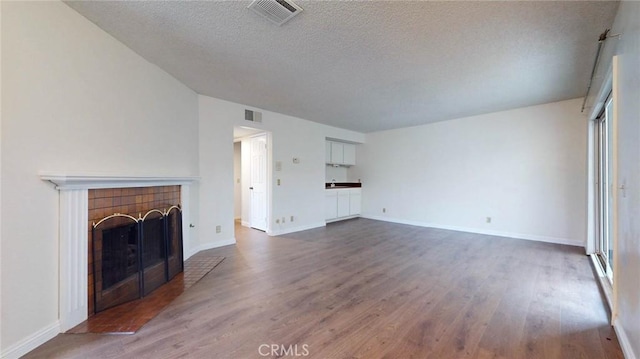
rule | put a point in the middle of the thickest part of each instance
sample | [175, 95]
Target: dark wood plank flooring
[370, 289]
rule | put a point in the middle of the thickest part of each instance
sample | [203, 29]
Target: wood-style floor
[370, 289]
[129, 317]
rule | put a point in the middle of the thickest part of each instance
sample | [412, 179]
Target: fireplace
[136, 247]
[78, 211]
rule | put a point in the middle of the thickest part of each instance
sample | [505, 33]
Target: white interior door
[258, 183]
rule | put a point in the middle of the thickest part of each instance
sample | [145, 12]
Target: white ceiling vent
[276, 11]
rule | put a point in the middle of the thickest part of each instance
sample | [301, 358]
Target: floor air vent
[276, 11]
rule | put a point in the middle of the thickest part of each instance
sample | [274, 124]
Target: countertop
[339, 185]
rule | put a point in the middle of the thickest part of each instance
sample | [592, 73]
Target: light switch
[296, 160]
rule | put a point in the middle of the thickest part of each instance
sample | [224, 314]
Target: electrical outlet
[278, 180]
[488, 219]
[282, 219]
[277, 221]
[384, 210]
[291, 218]
[218, 229]
[296, 160]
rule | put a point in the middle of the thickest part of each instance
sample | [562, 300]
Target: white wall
[302, 185]
[1, 67]
[74, 100]
[626, 278]
[339, 174]
[524, 168]
[237, 186]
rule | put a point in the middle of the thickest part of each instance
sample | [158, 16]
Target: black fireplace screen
[119, 254]
[134, 256]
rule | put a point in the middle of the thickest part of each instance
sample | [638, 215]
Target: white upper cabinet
[339, 153]
[349, 154]
[327, 151]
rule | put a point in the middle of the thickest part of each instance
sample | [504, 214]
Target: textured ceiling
[368, 66]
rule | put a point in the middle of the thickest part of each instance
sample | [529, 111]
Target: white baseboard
[627, 350]
[31, 342]
[279, 232]
[530, 237]
[342, 218]
[210, 245]
[245, 223]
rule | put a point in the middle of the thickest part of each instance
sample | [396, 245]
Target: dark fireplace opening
[119, 254]
[134, 256]
[153, 242]
[154, 248]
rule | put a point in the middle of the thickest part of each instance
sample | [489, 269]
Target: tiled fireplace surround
[133, 201]
[84, 199]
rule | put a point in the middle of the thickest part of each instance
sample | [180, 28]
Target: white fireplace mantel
[84, 181]
[73, 237]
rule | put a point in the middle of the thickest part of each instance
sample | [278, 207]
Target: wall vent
[253, 116]
[276, 11]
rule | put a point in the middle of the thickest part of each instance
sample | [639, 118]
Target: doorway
[251, 179]
[603, 191]
[258, 182]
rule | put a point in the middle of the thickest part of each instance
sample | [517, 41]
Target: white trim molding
[280, 232]
[623, 339]
[31, 342]
[530, 237]
[74, 242]
[66, 181]
[342, 218]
